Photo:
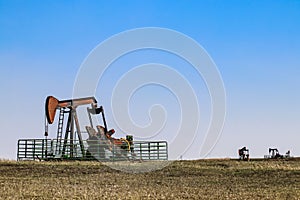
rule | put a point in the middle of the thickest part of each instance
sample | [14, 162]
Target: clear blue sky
[255, 44]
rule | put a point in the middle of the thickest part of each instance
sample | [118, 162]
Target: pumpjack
[94, 141]
[98, 141]
[244, 154]
[274, 154]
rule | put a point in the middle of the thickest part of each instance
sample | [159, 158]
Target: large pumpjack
[92, 142]
[99, 142]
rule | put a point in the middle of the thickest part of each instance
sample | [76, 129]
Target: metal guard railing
[46, 149]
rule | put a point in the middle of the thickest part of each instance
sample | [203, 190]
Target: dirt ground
[201, 179]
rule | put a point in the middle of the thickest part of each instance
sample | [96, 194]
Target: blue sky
[255, 44]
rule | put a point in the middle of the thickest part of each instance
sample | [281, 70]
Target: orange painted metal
[50, 108]
[53, 103]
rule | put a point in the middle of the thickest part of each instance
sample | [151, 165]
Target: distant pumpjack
[244, 154]
[274, 153]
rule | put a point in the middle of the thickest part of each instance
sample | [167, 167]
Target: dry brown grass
[203, 179]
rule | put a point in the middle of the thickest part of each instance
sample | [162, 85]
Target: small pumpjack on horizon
[274, 154]
[244, 154]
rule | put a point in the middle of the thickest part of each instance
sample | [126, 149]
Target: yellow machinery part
[126, 142]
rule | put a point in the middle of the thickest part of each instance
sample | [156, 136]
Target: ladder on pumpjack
[60, 131]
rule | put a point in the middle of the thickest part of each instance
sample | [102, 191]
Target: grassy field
[202, 179]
